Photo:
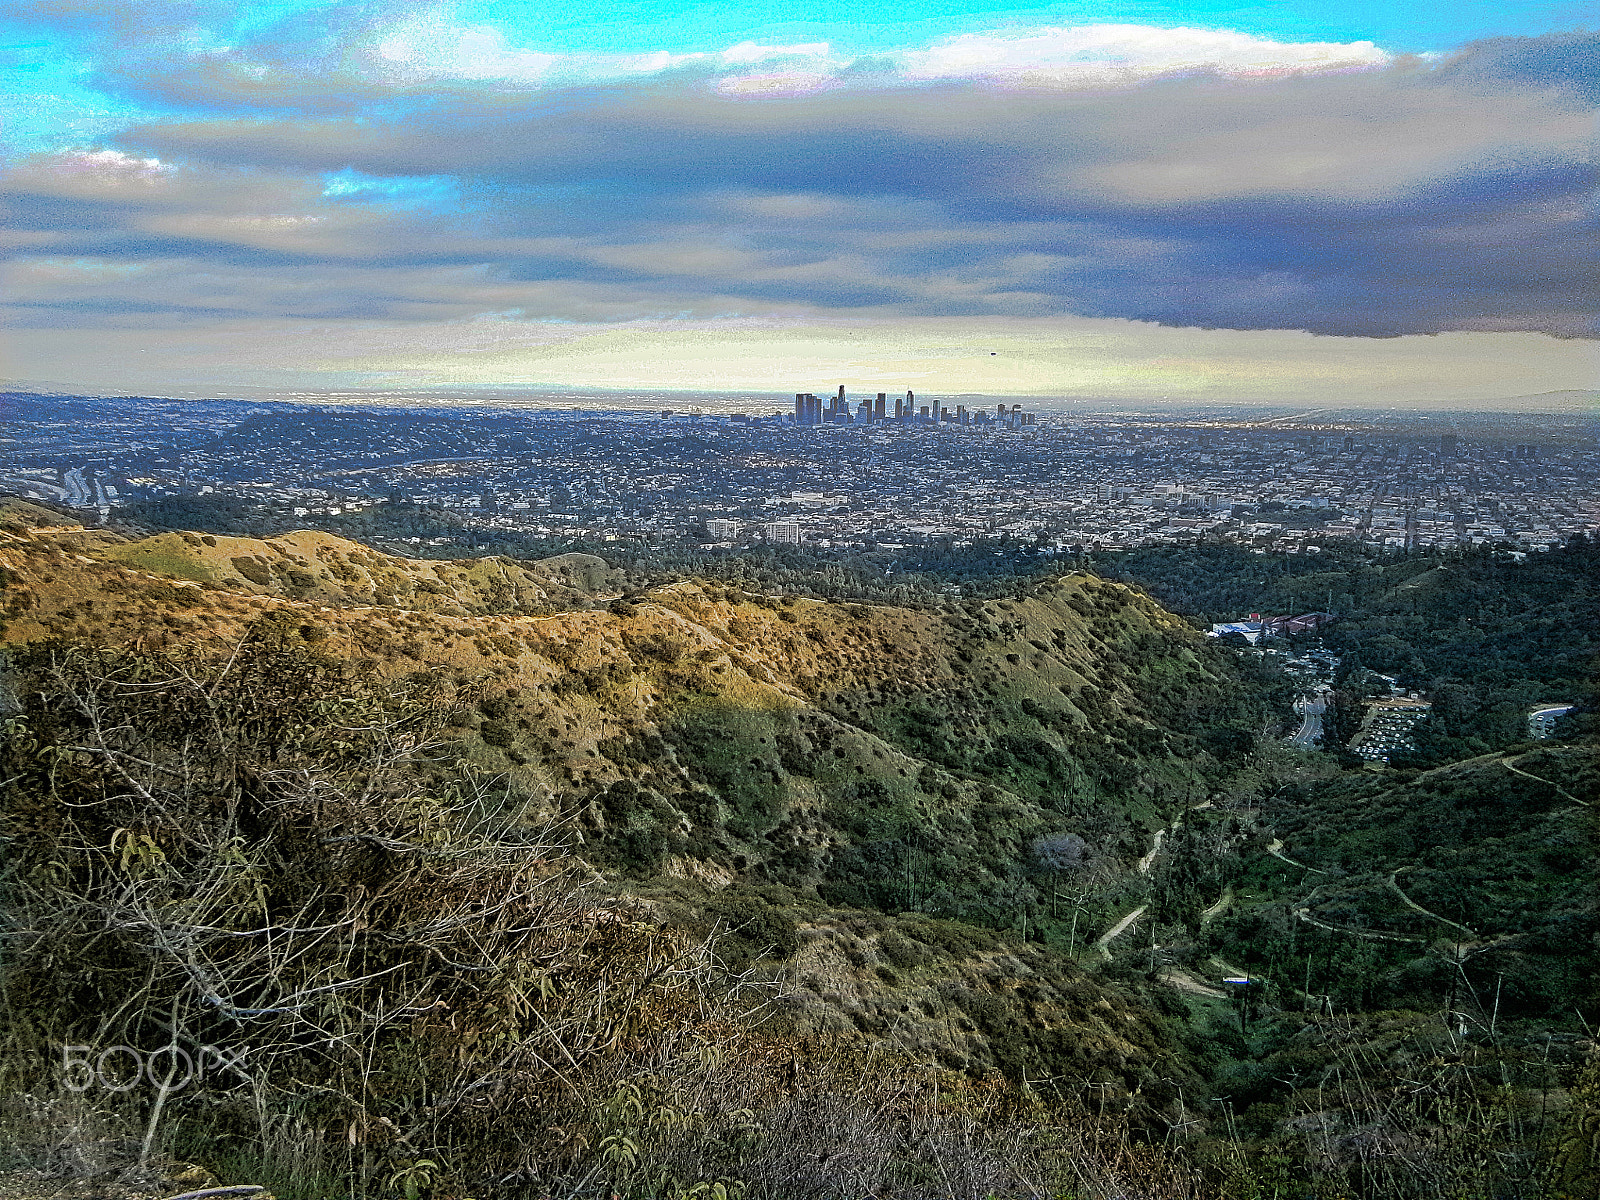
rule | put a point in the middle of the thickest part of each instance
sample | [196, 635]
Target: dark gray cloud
[1564, 61]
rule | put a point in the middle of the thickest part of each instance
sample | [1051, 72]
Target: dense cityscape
[833, 477]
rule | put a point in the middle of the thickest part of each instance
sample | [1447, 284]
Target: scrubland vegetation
[564, 882]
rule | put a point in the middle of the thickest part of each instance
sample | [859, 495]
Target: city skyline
[835, 478]
[1154, 203]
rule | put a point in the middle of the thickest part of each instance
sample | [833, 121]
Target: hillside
[872, 808]
[316, 567]
[1008, 847]
[1471, 880]
[1423, 949]
[792, 735]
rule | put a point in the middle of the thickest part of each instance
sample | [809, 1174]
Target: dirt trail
[1370, 935]
[1144, 863]
[1186, 982]
[1275, 848]
[1102, 943]
[1222, 902]
[1412, 904]
[1506, 763]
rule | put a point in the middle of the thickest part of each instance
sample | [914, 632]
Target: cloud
[1567, 62]
[396, 164]
[1089, 55]
[346, 57]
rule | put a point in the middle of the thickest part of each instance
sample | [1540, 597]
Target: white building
[786, 532]
[722, 529]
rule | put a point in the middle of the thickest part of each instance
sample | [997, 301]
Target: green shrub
[252, 569]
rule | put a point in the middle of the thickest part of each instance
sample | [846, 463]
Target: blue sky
[1361, 203]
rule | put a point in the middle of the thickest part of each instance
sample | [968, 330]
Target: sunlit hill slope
[877, 800]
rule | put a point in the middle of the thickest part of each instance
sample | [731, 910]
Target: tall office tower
[841, 395]
[899, 408]
[923, 412]
[799, 407]
[880, 405]
[911, 398]
[864, 411]
[961, 414]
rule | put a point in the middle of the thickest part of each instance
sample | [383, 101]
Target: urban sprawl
[843, 474]
[829, 475]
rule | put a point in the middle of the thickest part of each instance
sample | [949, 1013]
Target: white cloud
[103, 167]
[435, 48]
[1102, 54]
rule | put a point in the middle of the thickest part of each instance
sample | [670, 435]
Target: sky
[1362, 204]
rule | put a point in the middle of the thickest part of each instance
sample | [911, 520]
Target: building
[1250, 630]
[1308, 622]
[722, 529]
[783, 532]
[810, 409]
[1258, 627]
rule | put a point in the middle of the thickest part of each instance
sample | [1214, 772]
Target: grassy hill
[794, 741]
[520, 877]
[868, 809]
[316, 567]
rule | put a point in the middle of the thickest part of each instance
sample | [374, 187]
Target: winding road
[1310, 709]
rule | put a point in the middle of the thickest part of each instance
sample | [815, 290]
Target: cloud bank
[393, 165]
